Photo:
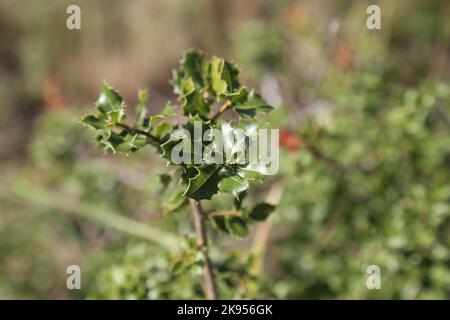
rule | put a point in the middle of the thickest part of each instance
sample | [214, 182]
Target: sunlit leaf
[234, 185]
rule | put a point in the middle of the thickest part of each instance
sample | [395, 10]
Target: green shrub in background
[369, 185]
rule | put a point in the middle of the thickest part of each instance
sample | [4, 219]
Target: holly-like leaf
[108, 141]
[192, 99]
[205, 184]
[131, 143]
[230, 74]
[167, 147]
[224, 77]
[253, 104]
[116, 116]
[239, 96]
[261, 211]
[193, 65]
[155, 122]
[219, 86]
[109, 99]
[190, 173]
[110, 111]
[94, 122]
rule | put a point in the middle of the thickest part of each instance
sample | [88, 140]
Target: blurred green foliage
[370, 187]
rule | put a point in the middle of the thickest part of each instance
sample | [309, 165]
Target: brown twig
[209, 282]
[156, 140]
[261, 238]
[227, 105]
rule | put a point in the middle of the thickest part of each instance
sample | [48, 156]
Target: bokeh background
[364, 178]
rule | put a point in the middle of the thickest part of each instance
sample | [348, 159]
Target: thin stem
[261, 238]
[209, 282]
[224, 213]
[32, 195]
[156, 140]
[227, 105]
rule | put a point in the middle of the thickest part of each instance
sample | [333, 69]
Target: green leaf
[234, 185]
[190, 173]
[109, 99]
[163, 129]
[253, 104]
[167, 147]
[141, 109]
[220, 223]
[109, 141]
[218, 85]
[131, 143]
[205, 184]
[168, 110]
[261, 211]
[231, 225]
[227, 171]
[237, 226]
[192, 99]
[238, 201]
[116, 116]
[224, 77]
[239, 97]
[173, 199]
[165, 180]
[192, 65]
[94, 122]
[230, 74]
